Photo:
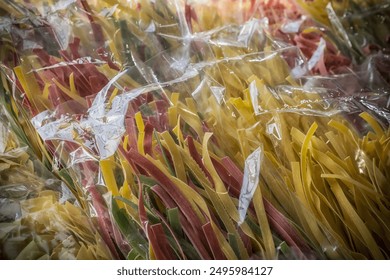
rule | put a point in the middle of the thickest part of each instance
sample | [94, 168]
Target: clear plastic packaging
[40, 218]
[194, 141]
[285, 22]
[360, 27]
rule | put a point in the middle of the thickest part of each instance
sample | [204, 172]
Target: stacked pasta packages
[187, 131]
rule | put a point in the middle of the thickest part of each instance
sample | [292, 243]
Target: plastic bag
[149, 110]
[39, 216]
[160, 125]
[362, 27]
[284, 21]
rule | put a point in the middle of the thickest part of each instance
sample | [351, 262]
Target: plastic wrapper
[39, 216]
[361, 26]
[209, 141]
[285, 22]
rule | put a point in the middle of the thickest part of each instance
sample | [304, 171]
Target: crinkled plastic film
[273, 126]
[187, 140]
[39, 216]
[286, 22]
[362, 26]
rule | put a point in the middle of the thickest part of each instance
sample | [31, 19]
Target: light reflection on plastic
[300, 70]
[250, 181]
[254, 92]
[218, 93]
[274, 130]
[293, 26]
[361, 163]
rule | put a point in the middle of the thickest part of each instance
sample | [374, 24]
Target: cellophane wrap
[207, 129]
[40, 218]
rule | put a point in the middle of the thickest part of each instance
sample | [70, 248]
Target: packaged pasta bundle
[39, 216]
[362, 26]
[53, 62]
[193, 140]
[237, 159]
[284, 21]
[67, 89]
